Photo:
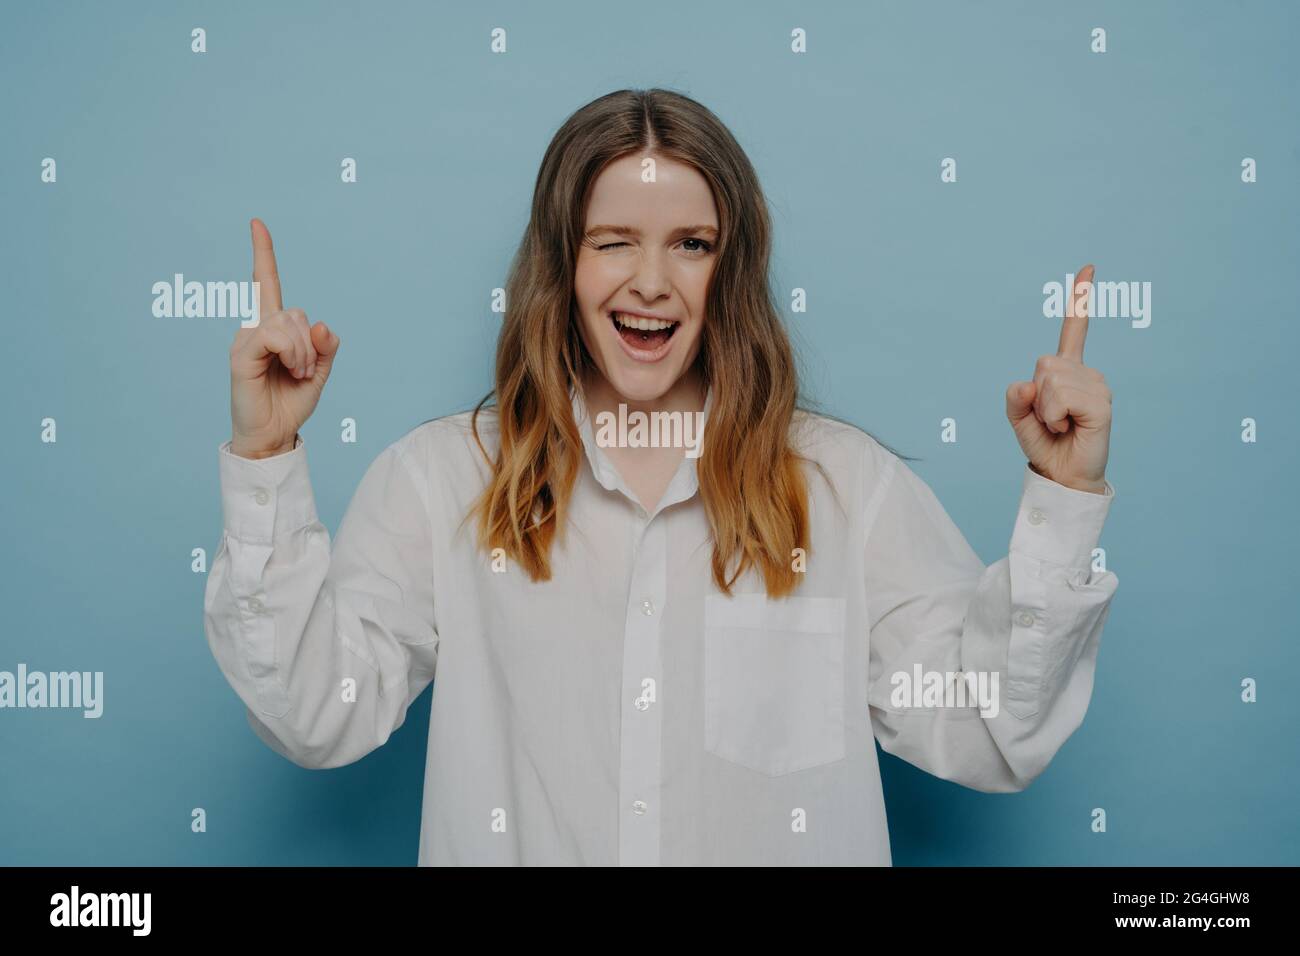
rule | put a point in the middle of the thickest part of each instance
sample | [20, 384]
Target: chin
[640, 385]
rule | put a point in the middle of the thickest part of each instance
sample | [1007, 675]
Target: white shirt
[626, 712]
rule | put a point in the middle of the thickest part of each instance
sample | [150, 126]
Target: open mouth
[642, 334]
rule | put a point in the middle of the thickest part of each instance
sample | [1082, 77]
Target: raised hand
[1062, 417]
[278, 368]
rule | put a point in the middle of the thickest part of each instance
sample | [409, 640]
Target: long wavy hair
[752, 486]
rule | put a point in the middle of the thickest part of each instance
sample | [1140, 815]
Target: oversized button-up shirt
[626, 712]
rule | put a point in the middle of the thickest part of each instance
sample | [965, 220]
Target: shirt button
[256, 606]
[1037, 517]
[641, 704]
[1025, 618]
[261, 497]
[647, 608]
[639, 807]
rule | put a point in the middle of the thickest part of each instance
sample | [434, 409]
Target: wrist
[1096, 487]
[254, 453]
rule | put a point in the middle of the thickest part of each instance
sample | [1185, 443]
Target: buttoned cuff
[1057, 524]
[264, 498]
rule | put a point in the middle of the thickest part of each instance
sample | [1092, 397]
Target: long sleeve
[327, 650]
[1031, 620]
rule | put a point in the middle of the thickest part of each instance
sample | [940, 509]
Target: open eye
[708, 246]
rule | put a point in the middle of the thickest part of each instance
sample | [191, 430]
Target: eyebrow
[630, 231]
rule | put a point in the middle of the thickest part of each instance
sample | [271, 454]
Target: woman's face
[643, 268]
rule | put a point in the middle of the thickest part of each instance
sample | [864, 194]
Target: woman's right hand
[278, 368]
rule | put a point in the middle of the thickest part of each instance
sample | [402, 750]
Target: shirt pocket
[774, 681]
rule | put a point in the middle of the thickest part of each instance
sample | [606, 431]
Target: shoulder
[454, 445]
[840, 448]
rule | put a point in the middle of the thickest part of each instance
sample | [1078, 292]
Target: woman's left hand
[1062, 417]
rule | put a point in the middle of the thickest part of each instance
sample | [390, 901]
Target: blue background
[925, 301]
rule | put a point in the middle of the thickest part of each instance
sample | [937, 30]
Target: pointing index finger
[264, 270]
[1074, 330]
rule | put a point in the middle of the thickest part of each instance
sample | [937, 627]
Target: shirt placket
[640, 810]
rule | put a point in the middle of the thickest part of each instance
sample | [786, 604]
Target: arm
[1033, 618]
[291, 623]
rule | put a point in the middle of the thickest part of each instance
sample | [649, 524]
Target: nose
[650, 278]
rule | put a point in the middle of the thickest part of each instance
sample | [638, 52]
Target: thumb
[1020, 401]
[1025, 420]
[326, 344]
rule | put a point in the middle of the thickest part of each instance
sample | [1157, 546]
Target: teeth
[641, 323]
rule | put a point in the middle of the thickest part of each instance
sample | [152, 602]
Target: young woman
[644, 655]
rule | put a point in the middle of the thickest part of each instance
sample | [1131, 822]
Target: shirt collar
[684, 483]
